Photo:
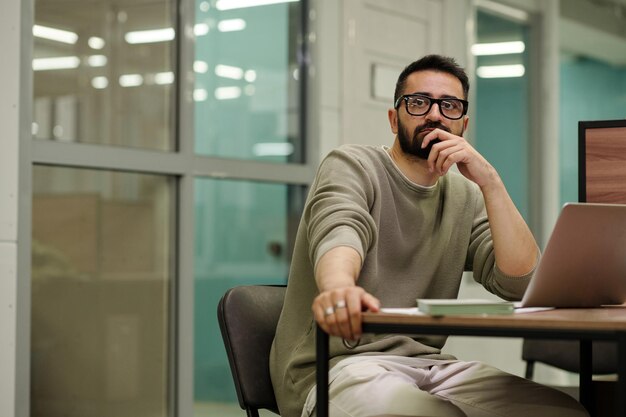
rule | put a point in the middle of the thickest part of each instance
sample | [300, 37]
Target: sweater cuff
[512, 287]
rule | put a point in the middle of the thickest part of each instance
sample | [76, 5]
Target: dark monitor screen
[602, 161]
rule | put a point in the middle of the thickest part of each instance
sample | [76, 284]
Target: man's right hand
[338, 311]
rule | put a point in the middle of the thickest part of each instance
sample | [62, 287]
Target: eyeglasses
[419, 105]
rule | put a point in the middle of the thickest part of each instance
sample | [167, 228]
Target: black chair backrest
[565, 354]
[248, 316]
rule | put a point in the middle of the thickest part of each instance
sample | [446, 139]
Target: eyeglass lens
[420, 105]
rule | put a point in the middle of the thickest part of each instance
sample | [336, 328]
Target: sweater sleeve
[482, 262]
[337, 210]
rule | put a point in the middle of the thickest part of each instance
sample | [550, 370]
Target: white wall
[15, 84]
[355, 39]
[9, 157]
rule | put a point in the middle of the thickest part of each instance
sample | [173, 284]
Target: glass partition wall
[248, 107]
[104, 72]
[502, 101]
[101, 289]
[154, 192]
[103, 239]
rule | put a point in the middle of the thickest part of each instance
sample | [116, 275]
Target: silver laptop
[584, 263]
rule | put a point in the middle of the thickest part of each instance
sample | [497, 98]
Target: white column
[15, 85]
[545, 140]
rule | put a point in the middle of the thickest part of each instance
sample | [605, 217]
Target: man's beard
[413, 146]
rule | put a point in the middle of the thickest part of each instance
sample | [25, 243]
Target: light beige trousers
[398, 386]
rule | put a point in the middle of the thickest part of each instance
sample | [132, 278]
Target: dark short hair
[434, 63]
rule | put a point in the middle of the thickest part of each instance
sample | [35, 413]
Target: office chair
[565, 354]
[248, 316]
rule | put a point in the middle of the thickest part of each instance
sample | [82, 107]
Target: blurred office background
[157, 152]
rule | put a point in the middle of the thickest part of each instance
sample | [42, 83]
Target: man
[385, 226]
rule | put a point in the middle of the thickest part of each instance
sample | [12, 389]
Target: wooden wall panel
[605, 160]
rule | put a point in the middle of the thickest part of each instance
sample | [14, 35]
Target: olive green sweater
[415, 242]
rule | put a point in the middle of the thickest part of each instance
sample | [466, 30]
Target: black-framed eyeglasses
[419, 105]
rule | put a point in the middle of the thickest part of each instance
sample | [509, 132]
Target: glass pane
[246, 93]
[244, 235]
[101, 293]
[590, 90]
[501, 104]
[104, 73]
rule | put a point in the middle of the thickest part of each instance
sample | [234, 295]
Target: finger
[426, 140]
[330, 317]
[453, 158]
[445, 156]
[429, 137]
[342, 318]
[354, 308]
[320, 318]
[333, 326]
[432, 158]
[370, 302]
[324, 314]
[435, 152]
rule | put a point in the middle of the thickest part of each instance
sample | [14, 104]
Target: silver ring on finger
[329, 311]
[351, 344]
[340, 304]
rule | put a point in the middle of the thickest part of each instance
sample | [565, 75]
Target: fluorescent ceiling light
[272, 149]
[500, 71]
[250, 76]
[498, 48]
[200, 94]
[227, 71]
[96, 43]
[53, 34]
[163, 78]
[241, 4]
[231, 25]
[57, 131]
[227, 93]
[200, 67]
[150, 36]
[99, 82]
[97, 61]
[201, 29]
[131, 80]
[503, 10]
[55, 63]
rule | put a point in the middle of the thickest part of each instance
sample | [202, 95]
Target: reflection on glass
[246, 93]
[244, 232]
[101, 277]
[103, 72]
[501, 102]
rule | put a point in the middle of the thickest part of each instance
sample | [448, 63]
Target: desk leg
[585, 375]
[621, 375]
[321, 345]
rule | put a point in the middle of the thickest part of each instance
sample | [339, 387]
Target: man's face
[412, 129]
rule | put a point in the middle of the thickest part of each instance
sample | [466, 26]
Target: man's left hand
[455, 149]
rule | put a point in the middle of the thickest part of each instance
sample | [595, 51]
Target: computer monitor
[602, 161]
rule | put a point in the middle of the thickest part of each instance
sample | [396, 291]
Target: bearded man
[385, 226]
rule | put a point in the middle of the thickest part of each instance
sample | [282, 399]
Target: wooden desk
[584, 325]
